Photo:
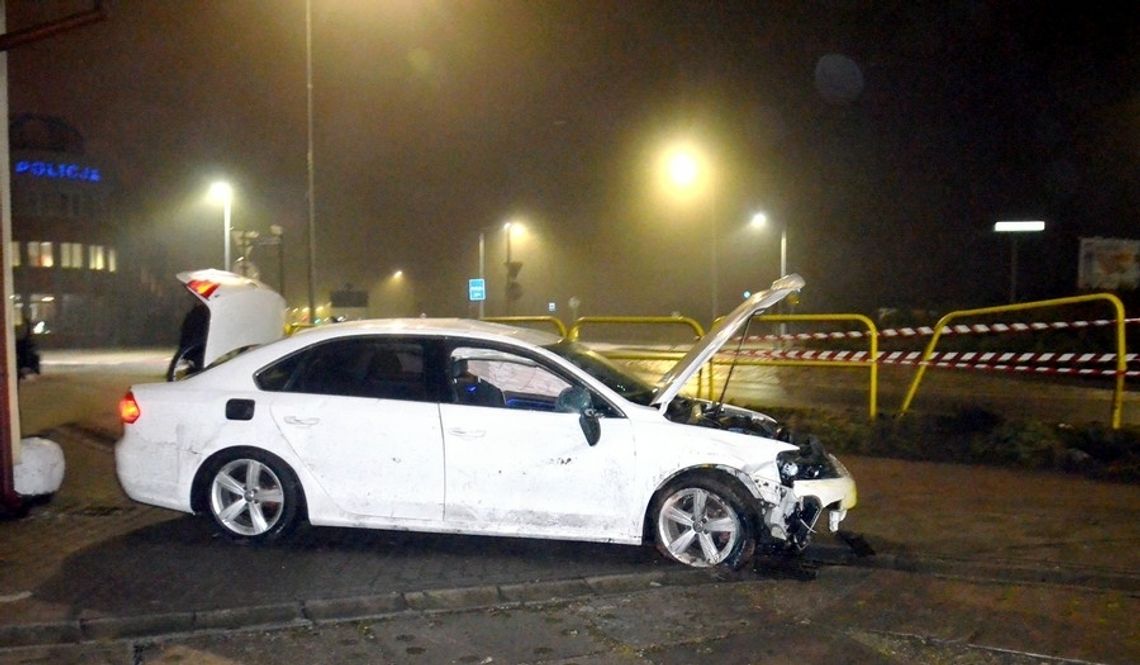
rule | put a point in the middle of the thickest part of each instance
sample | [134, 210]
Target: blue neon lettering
[59, 171]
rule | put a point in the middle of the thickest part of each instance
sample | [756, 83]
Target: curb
[332, 610]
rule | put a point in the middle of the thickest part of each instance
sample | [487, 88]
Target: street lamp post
[222, 192]
[1015, 228]
[513, 268]
[760, 220]
[507, 229]
[688, 176]
[482, 271]
[310, 164]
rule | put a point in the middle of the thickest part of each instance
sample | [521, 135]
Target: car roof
[435, 327]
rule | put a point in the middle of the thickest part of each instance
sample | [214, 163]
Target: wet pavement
[968, 560]
[971, 565]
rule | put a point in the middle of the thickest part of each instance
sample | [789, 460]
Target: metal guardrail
[1121, 350]
[871, 362]
[692, 324]
[552, 320]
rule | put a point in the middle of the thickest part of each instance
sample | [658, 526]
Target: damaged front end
[811, 481]
[796, 489]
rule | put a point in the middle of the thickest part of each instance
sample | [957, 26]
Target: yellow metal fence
[870, 361]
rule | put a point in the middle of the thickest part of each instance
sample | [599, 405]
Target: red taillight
[129, 410]
[202, 288]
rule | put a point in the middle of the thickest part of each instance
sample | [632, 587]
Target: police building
[65, 237]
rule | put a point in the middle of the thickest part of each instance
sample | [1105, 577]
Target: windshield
[593, 363]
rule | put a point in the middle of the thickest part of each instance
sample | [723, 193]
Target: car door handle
[301, 422]
[467, 433]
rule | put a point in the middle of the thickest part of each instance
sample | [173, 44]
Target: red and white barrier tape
[990, 360]
[949, 356]
[957, 329]
[1035, 369]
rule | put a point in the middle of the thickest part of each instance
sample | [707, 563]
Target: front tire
[252, 496]
[702, 522]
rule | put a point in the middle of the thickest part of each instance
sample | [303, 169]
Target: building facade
[65, 237]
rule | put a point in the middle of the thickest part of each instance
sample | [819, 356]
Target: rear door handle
[301, 422]
[467, 433]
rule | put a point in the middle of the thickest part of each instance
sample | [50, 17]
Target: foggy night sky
[436, 119]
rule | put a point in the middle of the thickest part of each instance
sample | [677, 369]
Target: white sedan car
[457, 426]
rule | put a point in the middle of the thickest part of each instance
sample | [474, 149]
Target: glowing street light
[683, 169]
[1015, 228]
[759, 221]
[687, 175]
[222, 192]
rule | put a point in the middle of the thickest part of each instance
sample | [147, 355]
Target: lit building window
[96, 257]
[40, 255]
[71, 255]
[112, 260]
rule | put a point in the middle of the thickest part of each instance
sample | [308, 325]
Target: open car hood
[676, 378]
[243, 311]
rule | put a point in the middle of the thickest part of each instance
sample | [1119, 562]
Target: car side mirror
[591, 426]
[576, 399]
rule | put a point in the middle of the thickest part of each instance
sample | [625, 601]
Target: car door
[518, 465]
[364, 421]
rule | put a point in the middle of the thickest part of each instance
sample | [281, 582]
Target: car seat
[472, 390]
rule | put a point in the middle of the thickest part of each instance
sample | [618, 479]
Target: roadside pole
[10, 501]
[9, 423]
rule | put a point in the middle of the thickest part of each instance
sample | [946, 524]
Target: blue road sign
[476, 289]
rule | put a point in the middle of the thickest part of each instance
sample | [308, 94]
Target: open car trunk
[232, 312]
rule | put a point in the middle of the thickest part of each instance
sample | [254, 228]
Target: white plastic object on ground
[41, 467]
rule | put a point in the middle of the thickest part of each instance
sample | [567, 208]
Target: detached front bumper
[791, 513]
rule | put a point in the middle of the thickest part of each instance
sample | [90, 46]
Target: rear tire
[701, 522]
[252, 495]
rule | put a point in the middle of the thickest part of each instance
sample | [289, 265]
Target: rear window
[354, 367]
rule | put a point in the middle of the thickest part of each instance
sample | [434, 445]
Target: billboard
[1109, 263]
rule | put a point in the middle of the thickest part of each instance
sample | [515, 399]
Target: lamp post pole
[227, 206]
[482, 271]
[223, 192]
[715, 267]
[310, 164]
[1013, 229]
[507, 293]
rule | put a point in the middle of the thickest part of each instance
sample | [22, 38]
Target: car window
[615, 378]
[354, 367]
[489, 377]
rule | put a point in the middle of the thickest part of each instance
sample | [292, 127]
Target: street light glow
[683, 169]
[221, 192]
[1019, 227]
[759, 220]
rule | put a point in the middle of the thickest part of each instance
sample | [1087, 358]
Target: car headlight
[810, 462]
